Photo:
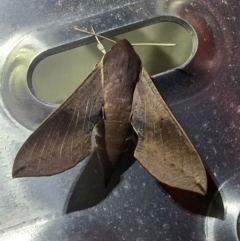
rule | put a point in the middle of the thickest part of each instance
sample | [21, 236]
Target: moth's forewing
[163, 147]
[64, 138]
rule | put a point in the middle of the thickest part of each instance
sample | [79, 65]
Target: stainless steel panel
[203, 94]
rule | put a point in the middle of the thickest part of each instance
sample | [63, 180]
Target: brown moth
[117, 98]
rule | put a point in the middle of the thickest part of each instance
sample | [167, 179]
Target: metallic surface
[204, 96]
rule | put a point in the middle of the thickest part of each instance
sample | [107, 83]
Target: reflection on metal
[227, 228]
[238, 228]
[204, 95]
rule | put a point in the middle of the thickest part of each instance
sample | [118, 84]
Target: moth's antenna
[155, 44]
[99, 45]
[94, 34]
[134, 44]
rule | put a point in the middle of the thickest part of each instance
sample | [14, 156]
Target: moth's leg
[130, 141]
[95, 65]
[103, 113]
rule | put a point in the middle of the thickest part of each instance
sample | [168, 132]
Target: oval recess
[56, 76]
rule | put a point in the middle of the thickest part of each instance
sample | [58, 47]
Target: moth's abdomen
[115, 135]
[116, 125]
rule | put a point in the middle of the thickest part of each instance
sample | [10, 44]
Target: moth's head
[122, 47]
[123, 43]
[121, 64]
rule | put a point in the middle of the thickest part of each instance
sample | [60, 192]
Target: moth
[116, 99]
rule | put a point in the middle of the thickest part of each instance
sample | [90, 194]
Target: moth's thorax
[121, 68]
[121, 65]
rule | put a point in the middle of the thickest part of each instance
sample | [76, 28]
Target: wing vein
[66, 134]
[74, 131]
[39, 159]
